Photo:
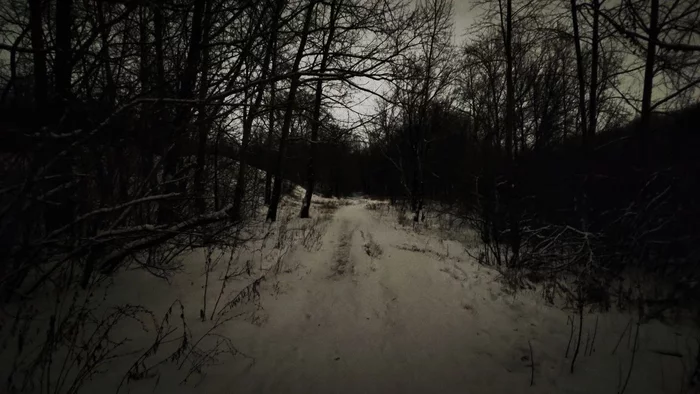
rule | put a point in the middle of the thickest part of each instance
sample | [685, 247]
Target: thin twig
[634, 353]
[580, 329]
[669, 353]
[622, 336]
[595, 331]
[571, 335]
[532, 365]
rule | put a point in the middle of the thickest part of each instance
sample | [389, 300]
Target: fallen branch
[110, 262]
[669, 353]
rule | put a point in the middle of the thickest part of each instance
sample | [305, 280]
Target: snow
[376, 307]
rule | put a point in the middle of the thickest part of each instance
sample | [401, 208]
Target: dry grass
[375, 206]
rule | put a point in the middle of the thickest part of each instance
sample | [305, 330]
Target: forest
[562, 133]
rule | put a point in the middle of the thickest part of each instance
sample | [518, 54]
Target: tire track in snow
[372, 249]
[342, 264]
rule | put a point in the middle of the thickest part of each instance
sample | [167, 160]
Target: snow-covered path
[380, 308]
[369, 314]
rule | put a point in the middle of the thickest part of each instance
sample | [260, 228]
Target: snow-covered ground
[370, 306]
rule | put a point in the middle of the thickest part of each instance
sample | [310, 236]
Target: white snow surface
[375, 307]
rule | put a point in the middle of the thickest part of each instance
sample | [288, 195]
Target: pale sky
[463, 17]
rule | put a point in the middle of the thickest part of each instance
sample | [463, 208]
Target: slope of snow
[375, 308]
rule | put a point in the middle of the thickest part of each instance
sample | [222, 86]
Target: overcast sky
[463, 17]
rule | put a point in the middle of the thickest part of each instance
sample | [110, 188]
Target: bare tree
[182, 114]
[39, 54]
[579, 70]
[507, 33]
[287, 122]
[663, 36]
[649, 66]
[334, 11]
[253, 113]
[593, 93]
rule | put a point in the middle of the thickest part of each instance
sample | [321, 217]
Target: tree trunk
[109, 99]
[39, 56]
[271, 129]
[510, 92]
[287, 122]
[110, 87]
[182, 114]
[159, 31]
[421, 144]
[580, 74]
[145, 117]
[644, 127]
[565, 103]
[310, 173]
[593, 95]
[268, 161]
[239, 192]
[61, 213]
[202, 122]
[510, 193]
[158, 123]
[63, 52]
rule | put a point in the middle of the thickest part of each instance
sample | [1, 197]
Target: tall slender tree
[290, 104]
[253, 113]
[581, 76]
[649, 71]
[38, 55]
[182, 116]
[595, 52]
[334, 11]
